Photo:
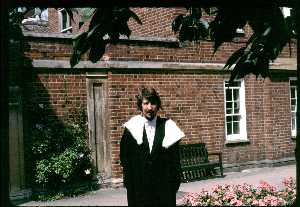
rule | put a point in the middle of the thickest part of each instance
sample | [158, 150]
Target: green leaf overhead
[106, 26]
[97, 50]
[70, 12]
[177, 23]
[80, 46]
[86, 14]
[227, 21]
[190, 27]
[234, 57]
[271, 32]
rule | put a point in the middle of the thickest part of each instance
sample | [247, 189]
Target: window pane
[293, 92]
[236, 118]
[228, 94]
[229, 108]
[236, 94]
[293, 107]
[64, 19]
[236, 106]
[229, 128]
[236, 127]
[293, 121]
[293, 102]
[229, 119]
[293, 82]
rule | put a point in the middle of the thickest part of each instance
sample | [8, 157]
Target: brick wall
[58, 92]
[193, 100]
[51, 48]
[54, 24]
[196, 103]
[156, 21]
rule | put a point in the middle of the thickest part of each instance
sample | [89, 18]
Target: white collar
[136, 126]
[151, 122]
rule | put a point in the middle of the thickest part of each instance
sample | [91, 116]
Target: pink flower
[236, 202]
[255, 202]
[261, 202]
[229, 195]
[245, 194]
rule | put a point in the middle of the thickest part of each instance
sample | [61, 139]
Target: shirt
[150, 127]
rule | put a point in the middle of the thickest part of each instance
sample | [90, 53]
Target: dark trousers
[150, 197]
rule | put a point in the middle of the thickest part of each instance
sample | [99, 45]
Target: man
[149, 154]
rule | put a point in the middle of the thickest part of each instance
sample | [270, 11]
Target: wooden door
[97, 119]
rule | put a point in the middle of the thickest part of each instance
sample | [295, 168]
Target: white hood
[136, 126]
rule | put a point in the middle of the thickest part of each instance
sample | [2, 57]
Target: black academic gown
[151, 179]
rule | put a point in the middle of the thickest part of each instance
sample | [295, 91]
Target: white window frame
[68, 22]
[240, 32]
[293, 131]
[286, 11]
[242, 135]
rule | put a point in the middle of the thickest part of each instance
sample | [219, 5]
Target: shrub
[59, 154]
[241, 195]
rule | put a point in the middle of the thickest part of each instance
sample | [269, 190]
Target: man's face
[149, 110]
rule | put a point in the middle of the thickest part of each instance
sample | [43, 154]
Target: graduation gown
[151, 179]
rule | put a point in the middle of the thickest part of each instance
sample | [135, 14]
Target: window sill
[68, 29]
[237, 141]
[293, 137]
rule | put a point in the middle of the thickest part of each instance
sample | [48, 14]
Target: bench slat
[195, 164]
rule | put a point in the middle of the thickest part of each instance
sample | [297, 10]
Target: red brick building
[251, 123]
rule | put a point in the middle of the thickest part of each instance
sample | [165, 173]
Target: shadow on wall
[57, 159]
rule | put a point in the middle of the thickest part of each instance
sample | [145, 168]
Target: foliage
[246, 195]
[59, 154]
[106, 26]
[271, 32]
[191, 27]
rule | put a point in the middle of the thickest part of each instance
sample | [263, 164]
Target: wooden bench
[195, 163]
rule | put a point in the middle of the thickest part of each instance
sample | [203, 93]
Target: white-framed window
[235, 111]
[286, 11]
[44, 15]
[64, 21]
[293, 102]
[240, 32]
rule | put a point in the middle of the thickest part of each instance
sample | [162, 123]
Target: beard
[149, 115]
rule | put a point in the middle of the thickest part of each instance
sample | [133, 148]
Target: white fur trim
[136, 125]
[172, 134]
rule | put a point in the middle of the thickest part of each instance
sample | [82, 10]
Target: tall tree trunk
[297, 149]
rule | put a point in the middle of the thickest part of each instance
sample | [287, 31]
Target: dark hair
[151, 95]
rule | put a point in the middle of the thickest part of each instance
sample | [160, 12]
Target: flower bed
[245, 194]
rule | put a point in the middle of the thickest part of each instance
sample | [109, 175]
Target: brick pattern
[58, 92]
[191, 52]
[156, 22]
[54, 24]
[196, 103]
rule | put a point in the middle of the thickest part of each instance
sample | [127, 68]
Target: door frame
[93, 79]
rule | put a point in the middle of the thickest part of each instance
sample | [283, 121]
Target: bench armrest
[216, 153]
[220, 159]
